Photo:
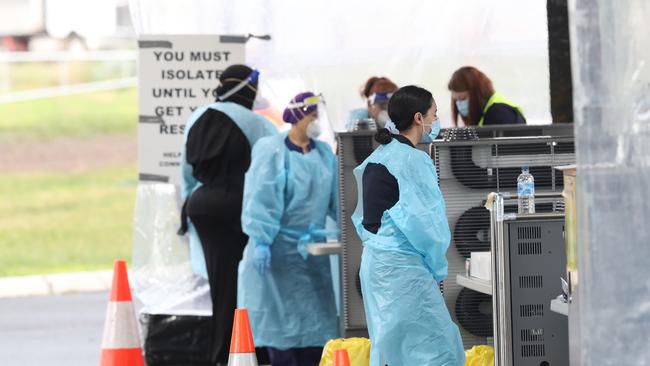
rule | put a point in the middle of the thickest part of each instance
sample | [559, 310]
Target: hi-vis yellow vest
[497, 98]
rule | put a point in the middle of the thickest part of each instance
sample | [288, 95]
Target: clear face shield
[261, 102]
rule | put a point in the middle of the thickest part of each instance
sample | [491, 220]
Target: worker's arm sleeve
[420, 215]
[269, 127]
[264, 185]
[380, 193]
[188, 182]
[261, 128]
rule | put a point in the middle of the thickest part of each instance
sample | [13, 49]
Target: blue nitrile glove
[262, 258]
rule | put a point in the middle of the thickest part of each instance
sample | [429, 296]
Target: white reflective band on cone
[121, 327]
[242, 359]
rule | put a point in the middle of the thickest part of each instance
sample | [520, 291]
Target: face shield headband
[249, 81]
[307, 102]
[379, 97]
[303, 107]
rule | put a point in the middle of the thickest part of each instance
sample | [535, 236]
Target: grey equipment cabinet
[528, 259]
[469, 169]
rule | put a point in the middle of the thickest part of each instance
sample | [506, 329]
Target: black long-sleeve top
[380, 191]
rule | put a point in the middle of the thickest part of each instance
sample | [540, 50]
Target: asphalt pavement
[52, 330]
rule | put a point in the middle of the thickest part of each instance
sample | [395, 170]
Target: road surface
[52, 330]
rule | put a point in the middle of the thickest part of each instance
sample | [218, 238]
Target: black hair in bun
[383, 136]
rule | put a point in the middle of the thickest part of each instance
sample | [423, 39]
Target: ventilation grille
[532, 335]
[352, 150]
[531, 311]
[529, 232]
[474, 312]
[472, 231]
[530, 248]
[533, 350]
[496, 166]
[362, 147]
[531, 281]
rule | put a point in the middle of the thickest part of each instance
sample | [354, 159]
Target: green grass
[34, 75]
[70, 116]
[61, 222]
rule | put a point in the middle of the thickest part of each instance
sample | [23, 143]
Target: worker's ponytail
[383, 136]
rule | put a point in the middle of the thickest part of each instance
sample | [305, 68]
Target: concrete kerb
[55, 284]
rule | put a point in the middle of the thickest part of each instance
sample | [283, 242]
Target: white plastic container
[481, 265]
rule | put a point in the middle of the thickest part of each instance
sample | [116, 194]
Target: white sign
[176, 75]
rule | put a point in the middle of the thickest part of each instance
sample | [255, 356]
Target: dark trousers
[223, 245]
[309, 356]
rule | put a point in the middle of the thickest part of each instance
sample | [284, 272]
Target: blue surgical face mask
[463, 106]
[435, 130]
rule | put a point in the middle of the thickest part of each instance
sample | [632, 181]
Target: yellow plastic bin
[479, 356]
[358, 351]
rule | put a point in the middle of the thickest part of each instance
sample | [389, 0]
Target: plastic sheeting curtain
[334, 46]
[611, 76]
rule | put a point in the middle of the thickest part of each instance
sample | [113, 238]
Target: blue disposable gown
[287, 195]
[402, 264]
[254, 128]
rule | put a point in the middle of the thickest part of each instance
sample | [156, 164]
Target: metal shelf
[475, 284]
[560, 307]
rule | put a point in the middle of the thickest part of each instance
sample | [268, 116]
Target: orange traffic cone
[242, 349]
[121, 343]
[341, 357]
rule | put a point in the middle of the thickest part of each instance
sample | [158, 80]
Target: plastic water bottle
[526, 191]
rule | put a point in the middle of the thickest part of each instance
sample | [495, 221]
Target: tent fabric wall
[334, 46]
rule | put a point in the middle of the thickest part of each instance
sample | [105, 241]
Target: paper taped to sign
[177, 74]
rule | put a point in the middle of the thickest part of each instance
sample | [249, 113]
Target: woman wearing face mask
[376, 92]
[474, 99]
[290, 189]
[401, 220]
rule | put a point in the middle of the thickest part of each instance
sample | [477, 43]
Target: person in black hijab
[219, 139]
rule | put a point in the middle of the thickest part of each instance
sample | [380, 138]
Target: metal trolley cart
[528, 259]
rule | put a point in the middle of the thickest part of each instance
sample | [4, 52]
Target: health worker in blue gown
[290, 189]
[401, 220]
[218, 142]
[376, 92]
